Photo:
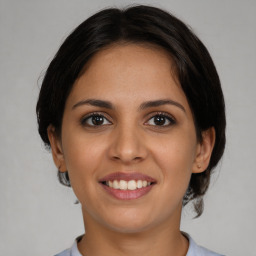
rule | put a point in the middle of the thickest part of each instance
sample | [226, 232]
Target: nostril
[127, 159]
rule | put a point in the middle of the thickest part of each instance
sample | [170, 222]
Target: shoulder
[64, 253]
[73, 251]
[196, 250]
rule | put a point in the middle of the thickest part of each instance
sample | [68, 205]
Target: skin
[130, 140]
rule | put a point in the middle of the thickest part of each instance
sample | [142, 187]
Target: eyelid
[109, 119]
[164, 114]
[91, 114]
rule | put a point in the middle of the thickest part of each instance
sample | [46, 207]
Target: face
[128, 140]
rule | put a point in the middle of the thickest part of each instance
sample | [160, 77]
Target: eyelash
[163, 115]
[91, 115]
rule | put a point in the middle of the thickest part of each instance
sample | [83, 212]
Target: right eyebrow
[94, 102]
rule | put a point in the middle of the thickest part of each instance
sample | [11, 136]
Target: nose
[127, 145]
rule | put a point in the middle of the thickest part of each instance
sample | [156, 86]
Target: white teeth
[116, 184]
[139, 184]
[132, 185]
[128, 185]
[123, 184]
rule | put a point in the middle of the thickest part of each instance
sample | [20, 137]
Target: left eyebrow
[157, 103]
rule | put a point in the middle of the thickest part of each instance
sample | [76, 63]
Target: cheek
[82, 161]
[82, 155]
[175, 156]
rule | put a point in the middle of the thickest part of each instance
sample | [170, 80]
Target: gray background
[38, 215]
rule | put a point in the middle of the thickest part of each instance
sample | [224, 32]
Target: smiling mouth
[127, 185]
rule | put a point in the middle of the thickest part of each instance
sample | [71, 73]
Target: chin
[129, 222]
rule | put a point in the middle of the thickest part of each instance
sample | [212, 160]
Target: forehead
[129, 70]
[123, 55]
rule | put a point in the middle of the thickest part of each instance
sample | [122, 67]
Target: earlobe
[56, 147]
[204, 151]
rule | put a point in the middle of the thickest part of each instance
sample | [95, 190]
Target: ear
[57, 152]
[204, 151]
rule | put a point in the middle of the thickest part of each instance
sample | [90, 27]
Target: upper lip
[127, 177]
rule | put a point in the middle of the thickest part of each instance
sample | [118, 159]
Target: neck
[163, 240]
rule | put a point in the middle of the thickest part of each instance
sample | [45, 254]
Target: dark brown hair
[140, 25]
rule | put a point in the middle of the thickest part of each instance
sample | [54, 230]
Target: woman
[132, 109]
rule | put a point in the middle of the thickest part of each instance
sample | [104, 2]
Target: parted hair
[140, 24]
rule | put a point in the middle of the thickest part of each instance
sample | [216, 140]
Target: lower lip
[127, 194]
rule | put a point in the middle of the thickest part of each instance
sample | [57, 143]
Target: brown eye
[161, 120]
[95, 120]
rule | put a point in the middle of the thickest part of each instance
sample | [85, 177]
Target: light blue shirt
[193, 250]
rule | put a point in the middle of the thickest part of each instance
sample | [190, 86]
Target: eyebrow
[147, 104]
[157, 103]
[94, 102]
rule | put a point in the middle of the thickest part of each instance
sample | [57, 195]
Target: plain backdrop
[37, 214]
